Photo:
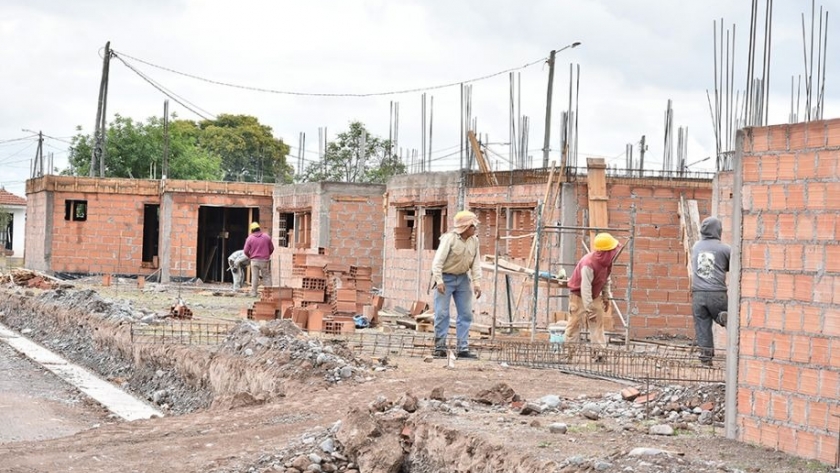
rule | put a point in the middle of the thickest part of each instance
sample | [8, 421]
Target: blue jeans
[458, 287]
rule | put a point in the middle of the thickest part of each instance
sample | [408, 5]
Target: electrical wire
[12, 140]
[331, 94]
[175, 97]
[5, 159]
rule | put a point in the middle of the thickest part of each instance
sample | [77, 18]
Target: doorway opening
[221, 231]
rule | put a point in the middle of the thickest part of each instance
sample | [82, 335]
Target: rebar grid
[182, 333]
[656, 363]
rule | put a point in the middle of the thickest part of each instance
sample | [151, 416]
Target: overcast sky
[634, 56]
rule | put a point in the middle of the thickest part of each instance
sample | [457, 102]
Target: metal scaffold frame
[554, 264]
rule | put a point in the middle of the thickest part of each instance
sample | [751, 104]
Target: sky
[633, 57]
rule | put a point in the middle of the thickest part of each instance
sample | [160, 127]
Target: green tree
[356, 156]
[231, 147]
[248, 149]
[135, 149]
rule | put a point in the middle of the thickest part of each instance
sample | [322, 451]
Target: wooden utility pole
[547, 140]
[101, 116]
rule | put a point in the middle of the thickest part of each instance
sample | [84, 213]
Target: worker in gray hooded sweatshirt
[709, 264]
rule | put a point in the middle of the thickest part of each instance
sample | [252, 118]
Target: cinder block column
[164, 244]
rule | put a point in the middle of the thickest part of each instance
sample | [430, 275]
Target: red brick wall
[789, 367]
[660, 289]
[110, 240]
[184, 221]
[722, 204]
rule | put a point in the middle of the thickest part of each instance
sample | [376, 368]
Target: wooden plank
[690, 226]
[483, 166]
[597, 191]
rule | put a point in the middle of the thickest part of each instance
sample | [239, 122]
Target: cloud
[634, 57]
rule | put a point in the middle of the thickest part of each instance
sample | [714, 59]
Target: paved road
[37, 405]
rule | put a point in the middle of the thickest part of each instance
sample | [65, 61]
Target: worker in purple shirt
[258, 248]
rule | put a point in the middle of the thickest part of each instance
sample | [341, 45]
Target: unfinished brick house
[342, 220]
[174, 229]
[420, 209]
[785, 288]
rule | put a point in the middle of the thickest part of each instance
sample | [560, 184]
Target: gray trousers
[260, 269]
[706, 307]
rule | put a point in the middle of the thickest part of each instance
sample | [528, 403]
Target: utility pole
[165, 171]
[642, 149]
[101, 116]
[547, 140]
[38, 165]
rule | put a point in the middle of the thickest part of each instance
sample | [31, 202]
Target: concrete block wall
[38, 215]
[789, 365]
[348, 223]
[406, 272]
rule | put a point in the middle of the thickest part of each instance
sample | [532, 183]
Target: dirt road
[36, 405]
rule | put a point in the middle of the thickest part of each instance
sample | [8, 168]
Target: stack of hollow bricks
[789, 371]
[326, 295]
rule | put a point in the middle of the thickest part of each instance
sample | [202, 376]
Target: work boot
[467, 355]
[440, 348]
[721, 318]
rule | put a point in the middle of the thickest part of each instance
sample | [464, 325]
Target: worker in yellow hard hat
[591, 293]
[258, 248]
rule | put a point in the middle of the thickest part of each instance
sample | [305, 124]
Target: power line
[18, 139]
[175, 97]
[327, 94]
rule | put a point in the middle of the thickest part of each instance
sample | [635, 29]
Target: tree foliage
[232, 147]
[356, 156]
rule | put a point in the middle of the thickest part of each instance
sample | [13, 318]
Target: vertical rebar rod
[537, 238]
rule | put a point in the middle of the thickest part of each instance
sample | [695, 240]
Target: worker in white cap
[456, 272]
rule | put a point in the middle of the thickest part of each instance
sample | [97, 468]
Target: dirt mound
[267, 361]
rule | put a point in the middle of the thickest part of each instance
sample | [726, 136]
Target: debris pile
[314, 451]
[296, 355]
[32, 279]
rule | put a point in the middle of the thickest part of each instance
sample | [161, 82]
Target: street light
[697, 162]
[547, 140]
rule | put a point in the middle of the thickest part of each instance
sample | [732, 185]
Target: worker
[258, 249]
[237, 261]
[590, 293]
[456, 272]
[709, 302]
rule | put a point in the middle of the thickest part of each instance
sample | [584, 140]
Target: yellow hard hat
[604, 242]
[255, 226]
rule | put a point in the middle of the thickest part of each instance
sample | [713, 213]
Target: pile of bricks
[326, 294]
[274, 301]
[324, 297]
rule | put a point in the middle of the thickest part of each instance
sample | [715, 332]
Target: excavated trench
[260, 363]
[253, 365]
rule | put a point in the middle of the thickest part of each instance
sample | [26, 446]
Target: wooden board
[597, 186]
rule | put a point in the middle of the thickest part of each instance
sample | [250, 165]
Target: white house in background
[12, 236]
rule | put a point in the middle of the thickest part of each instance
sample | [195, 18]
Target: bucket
[557, 332]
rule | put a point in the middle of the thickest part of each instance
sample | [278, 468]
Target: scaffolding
[554, 263]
